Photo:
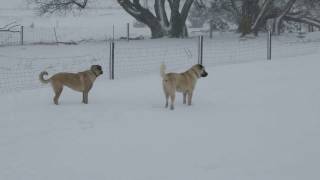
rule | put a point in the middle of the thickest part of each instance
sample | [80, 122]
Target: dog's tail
[162, 70]
[44, 81]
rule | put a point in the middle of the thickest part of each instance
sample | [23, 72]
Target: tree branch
[185, 9]
[306, 20]
[262, 13]
[282, 14]
[235, 8]
[159, 8]
[81, 5]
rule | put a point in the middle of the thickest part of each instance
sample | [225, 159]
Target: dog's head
[200, 70]
[96, 69]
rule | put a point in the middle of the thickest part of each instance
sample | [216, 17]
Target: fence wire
[144, 57]
[20, 73]
[8, 38]
[229, 49]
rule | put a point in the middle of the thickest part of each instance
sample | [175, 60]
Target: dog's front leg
[167, 100]
[184, 97]
[85, 97]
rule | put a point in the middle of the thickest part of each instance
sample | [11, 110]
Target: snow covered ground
[95, 23]
[257, 120]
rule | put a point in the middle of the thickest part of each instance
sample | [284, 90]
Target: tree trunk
[250, 10]
[177, 25]
[156, 30]
[278, 20]
[159, 24]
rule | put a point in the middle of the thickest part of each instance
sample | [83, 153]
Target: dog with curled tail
[181, 82]
[81, 81]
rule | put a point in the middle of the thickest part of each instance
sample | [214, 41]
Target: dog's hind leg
[172, 97]
[166, 94]
[189, 98]
[57, 90]
[184, 97]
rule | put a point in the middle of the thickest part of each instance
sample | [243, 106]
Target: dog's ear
[96, 67]
[200, 66]
[99, 67]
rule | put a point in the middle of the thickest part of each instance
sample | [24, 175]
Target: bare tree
[51, 6]
[159, 23]
[255, 13]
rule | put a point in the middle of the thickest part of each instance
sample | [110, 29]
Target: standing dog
[81, 81]
[182, 82]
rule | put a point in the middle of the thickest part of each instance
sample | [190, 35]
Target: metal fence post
[21, 35]
[269, 45]
[211, 29]
[111, 61]
[200, 50]
[113, 32]
[128, 31]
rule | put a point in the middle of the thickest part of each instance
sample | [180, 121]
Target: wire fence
[9, 38]
[226, 50]
[135, 58]
[11, 34]
[55, 34]
[146, 56]
[20, 73]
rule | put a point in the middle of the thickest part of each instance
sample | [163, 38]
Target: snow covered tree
[51, 6]
[198, 15]
[159, 23]
[254, 14]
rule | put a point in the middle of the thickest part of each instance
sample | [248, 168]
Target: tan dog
[181, 82]
[81, 81]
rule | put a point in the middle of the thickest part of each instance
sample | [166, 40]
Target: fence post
[128, 31]
[21, 35]
[113, 32]
[200, 50]
[211, 29]
[269, 45]
[111, 61]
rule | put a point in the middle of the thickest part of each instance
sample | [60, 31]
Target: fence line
[50, 35]
[144, 57]
[22, 73]
[11, 34]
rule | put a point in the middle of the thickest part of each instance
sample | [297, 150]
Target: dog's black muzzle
[204, 74]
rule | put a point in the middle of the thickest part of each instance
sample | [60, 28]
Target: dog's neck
[196, 73]
[95, 73]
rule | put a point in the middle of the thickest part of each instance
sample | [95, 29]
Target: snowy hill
[254, 121]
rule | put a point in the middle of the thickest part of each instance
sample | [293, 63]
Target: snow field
[257, 120]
